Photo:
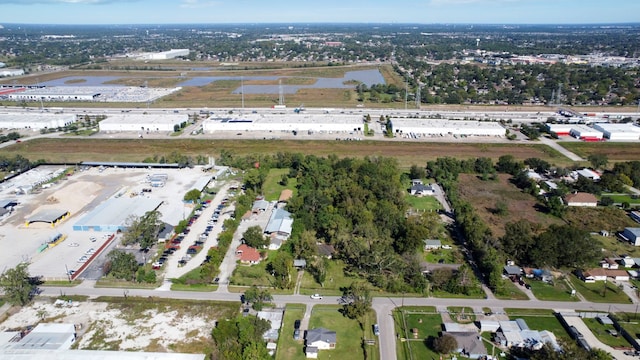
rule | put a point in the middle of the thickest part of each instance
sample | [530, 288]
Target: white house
[321, 338]
[422, 190]
[432, 244]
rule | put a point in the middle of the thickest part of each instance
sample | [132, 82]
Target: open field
[594, 291]
[272, 187]
[615, 151]
[611, 219]
[483, 195]
[135, 324]
[72, 150]
[429, 326]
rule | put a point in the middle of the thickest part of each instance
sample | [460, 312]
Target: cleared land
[484, 195]
[429, 325]
[408, 153]
[615, 151]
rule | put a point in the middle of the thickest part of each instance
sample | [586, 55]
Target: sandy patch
[101, 326]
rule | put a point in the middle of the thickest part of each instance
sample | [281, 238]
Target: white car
[93, 239]
[316, 297]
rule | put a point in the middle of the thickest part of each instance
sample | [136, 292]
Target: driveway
[593, 341]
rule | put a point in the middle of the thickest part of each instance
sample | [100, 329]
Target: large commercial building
[142, 122]
[35, 121]
[112, 215]
[583, 132]
[619, 131]
[310, 123]
[430, 127]
[164, 55]
[88, 93]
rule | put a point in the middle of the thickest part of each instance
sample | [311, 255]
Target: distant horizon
[175, 12]
[5, 24]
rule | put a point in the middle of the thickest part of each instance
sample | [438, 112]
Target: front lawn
[428, 325]
[288, 348]
[596, 292]
[509, 291]
[600, 331]
[559, 291]
[349, 334]
[244, 275]
[423, 203]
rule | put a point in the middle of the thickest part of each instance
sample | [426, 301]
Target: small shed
[300, 263]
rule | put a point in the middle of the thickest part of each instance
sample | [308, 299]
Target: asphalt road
[382, 305]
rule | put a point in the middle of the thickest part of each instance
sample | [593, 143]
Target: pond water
[367, 77]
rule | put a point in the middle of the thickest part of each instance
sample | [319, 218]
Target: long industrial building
[164, 55]
[112, 214]
[618, 131]
[403, 126]
[142, 122]
[583, 132]
[35, 121]
[321, 123]
[113, 93]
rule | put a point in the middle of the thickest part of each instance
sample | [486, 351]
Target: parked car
[296, 334]
[376, 330]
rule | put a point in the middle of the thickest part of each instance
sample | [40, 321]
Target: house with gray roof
[321, 338]
[280, 223]
[631, 235]
[469, 344]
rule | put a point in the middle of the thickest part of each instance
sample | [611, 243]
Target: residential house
[581, 199]
[635, 215]
[540, 274]
[600, 274]
[299, 263]
[248, 255]
[259, 206]
[280, 223]
[631, 235]
[326, 250]
[319, 339]
[589, 174]
[275, 242]
[609, 263]
[531, 174]
[422, 190]
[511, 270]
[469, 344]
[432, 244]
[618, 275]
[416, 182]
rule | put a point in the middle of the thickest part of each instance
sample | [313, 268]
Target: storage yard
[93, 203]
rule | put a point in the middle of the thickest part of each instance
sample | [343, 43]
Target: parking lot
[79, 194]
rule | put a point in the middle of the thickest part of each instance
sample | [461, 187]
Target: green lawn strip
[509, 291]
[620, 198]
[600, 331]
[349, 335]
[443, 294]
[448, 256]
[62, 283]
[519, 312]
[423, 203]
[111, 283]
[194, 287]
[429, 327]
[272, 187]
[594, 291]
[559, 291]
[272, 291]
[288, 348]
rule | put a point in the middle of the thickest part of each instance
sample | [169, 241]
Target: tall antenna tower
[281, 91]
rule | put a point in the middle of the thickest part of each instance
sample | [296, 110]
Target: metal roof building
[302, 122]
[142, 122]
[619, 131]
[111, 215]
[50, 216]
[446, 127]
[35, 121]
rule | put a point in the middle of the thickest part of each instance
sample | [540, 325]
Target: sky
[323, 11]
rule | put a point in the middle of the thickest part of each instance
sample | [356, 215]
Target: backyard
[288, 348]
[428, 324]
[272, 187]
[559, 290]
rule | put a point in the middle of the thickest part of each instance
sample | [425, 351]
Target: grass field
[509, 291]
[349, 334]
[288, 348]
[594, 291]
[559, 291]
[611, 219]
[272, 187]
[336, 279]
[483, 196]
[620, 198]
[600, 331]
[251, 275]
[615, 151]
[429, 325]
[423, 203]
[616, 247]
[74, 150]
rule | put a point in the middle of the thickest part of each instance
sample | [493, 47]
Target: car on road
[376, 330]
[316, 297]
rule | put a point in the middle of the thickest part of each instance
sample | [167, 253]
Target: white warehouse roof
[35, 121]
[444, 127]
[583, 131]
[142, 122]
[285, 122]
[619, 131]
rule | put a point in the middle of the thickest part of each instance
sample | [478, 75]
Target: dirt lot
[134, 324]
[483, 196]
[79, 194]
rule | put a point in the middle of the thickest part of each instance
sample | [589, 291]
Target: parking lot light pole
[67, 272]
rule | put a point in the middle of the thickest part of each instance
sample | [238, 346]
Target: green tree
[240, 338]
[305, 246]
[598, 160]
[18, 287]
[357, 301]
[257, 297]
[143, 230]
[192, 195]
[123, 265]
[445, 344]
[254, 237]
[280, 267]
[417, 172]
